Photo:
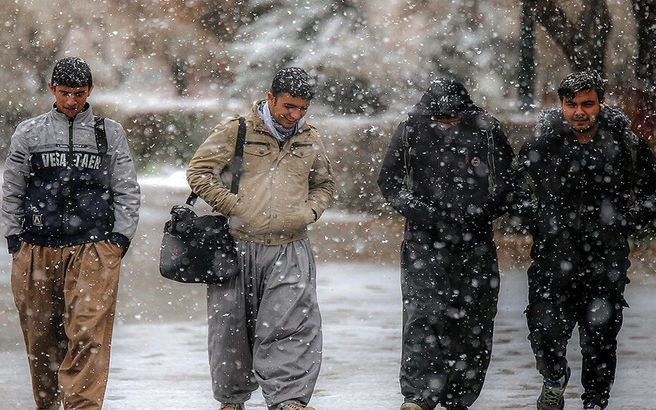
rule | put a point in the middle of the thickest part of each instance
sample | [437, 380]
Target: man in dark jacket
[70, 208]
[593, 182]
[448, 171]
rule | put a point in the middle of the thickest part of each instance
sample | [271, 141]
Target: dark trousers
[449, 304]
[590, 297]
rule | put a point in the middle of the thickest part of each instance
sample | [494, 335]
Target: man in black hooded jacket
[593, 182]
[448, 171]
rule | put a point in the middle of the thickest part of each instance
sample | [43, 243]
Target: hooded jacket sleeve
[391, 182]
[203, 174]
[125, 189]
[321, 183]
[523, 205]
[15, 178]
[643, 210]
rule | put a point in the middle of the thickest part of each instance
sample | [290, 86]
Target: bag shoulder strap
[101, 135]
[492, 170]
[235, 165]
[407, 164]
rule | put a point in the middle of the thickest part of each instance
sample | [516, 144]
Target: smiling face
[70, 100]
[287, 110]
[582, 110]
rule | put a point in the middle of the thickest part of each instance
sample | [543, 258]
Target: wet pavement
[159, 356]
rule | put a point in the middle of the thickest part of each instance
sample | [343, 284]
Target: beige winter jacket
[279, 187]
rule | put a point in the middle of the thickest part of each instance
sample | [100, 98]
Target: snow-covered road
[162, 364]
[159, 357]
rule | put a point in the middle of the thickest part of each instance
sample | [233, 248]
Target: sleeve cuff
[120, 240]
[13, 243]
[316, 210]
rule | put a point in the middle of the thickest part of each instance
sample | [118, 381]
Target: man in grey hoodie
[70, 208]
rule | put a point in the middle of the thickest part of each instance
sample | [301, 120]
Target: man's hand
[14, 243]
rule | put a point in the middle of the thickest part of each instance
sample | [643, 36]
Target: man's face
[287, 110]
[70, 100]
[582, 110]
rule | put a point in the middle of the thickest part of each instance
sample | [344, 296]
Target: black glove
[121, 241]
[14, 243]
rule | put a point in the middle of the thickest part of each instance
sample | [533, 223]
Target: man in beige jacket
[264, 324]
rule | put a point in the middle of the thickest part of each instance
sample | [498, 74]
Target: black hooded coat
[449, 184]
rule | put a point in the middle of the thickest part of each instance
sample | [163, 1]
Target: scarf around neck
[281, 133]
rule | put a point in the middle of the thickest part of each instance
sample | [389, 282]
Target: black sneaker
[551, 397]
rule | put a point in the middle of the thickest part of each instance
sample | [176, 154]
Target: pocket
[302, 157]
[16, 255]
[257, 156]
[302, 149]
[112, 249]
[298, 220]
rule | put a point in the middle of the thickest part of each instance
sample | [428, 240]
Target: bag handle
[235, 165]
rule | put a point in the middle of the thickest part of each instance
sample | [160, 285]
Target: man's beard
[588, 128]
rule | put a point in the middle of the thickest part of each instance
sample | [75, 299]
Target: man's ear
[602, 102]
[51, 88]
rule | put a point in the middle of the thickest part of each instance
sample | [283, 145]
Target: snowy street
[444, 123]
[159, 357]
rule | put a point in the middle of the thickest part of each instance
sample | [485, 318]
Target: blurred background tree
[170, 69]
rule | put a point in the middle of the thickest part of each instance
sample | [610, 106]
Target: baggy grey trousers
[265, 326]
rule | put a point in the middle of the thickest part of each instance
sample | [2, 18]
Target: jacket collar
[552, 123]
[83, 117]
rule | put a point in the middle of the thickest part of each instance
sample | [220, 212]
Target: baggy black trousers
[449, 304]
[590, 296]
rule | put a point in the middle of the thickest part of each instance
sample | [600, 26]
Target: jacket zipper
[70, 138]
[580, 185]
[69, 163]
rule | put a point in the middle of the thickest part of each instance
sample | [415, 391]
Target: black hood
[444, 97]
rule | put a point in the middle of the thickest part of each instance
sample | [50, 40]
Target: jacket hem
[269, 239]
[63, 241]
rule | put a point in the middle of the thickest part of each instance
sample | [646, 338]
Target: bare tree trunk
[644, 99]
[526, 74]
[583, 41]
[222, 18]
[645, 15]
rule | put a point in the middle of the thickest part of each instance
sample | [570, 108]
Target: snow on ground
[159, 356]
[164, 365]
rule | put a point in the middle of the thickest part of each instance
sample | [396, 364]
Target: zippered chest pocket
[257, 156]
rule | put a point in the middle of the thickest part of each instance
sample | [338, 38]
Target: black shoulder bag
[200, 249]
